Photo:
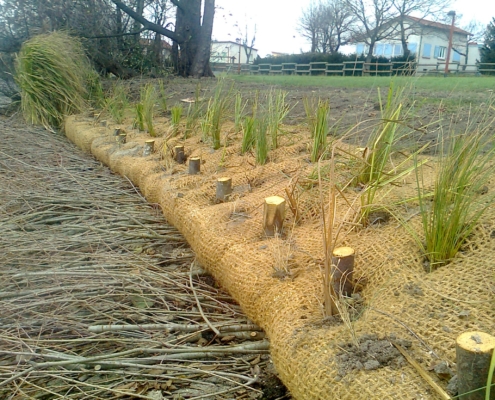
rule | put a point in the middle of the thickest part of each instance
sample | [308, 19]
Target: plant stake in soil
[224, 189]
[273, 215]
[149, 146]
[180, 157]
[473, 355]
[342, 270]
[121, 139]
[194, 165]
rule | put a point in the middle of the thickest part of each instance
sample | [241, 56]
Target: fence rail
[356, 68]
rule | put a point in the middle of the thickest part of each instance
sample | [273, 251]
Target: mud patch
[371, 353]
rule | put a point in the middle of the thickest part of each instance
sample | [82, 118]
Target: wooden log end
[273, 215]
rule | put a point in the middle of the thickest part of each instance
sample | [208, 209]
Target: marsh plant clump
[320, 131]
[117, 102]
[51, 73]
[148, 99]
[176, 112]
[276, 111]
[450, 213]
[216, 113]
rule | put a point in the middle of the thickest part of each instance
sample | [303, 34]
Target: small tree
[488, 49]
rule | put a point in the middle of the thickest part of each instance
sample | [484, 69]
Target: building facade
[230, 52]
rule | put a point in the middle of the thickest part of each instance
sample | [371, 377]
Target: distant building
[229, 53]
[428, 41]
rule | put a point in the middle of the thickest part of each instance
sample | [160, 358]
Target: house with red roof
[428, 42]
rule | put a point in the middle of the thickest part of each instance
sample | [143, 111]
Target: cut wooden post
[194, 165]
[117, 131]
[342, 270]
[473, 355]
[121, 138]
[224, 189]
[273, 215]
[149, 146]
[179, 154]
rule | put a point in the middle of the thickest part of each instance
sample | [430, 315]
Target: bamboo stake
[273, 215]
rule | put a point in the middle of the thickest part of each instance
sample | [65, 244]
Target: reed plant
[96, 96]
[117, 102]
[277, 110]
[248, 134]
[320, 131]
[310, 107]
[176, 112]
[216, 113]
[51, 73]
[450, 213]
[194, 113]
[261, 129]
[239, 107]
[148, 99]
[139, 121]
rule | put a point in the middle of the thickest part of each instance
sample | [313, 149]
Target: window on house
[397, 50]
[378, 51]
[427, 50]
[456, 57]
[440, 52]
[387, 50]
[413, 47]
[360, 49]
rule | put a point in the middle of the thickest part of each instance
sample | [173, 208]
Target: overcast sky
[276, 21]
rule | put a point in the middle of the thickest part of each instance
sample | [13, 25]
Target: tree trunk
[201, 63]
[192, 39]
[403, 39]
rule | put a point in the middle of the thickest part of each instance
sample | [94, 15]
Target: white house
[229, 52]
[429, 41]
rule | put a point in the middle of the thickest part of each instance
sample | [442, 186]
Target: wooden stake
[180, 156]
[473, 353]
[149, 147]
[194, 165]
[342, 270]
[273, 215]
[224, 189]
[117, 131]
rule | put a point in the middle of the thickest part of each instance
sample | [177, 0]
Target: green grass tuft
[51, 73]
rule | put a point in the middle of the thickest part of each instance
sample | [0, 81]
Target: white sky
[276, 21]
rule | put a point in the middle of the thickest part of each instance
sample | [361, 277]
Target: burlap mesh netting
[401, 299]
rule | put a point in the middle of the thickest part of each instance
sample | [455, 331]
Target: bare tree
[327, 24]
[373, 18]
[191, 37]
[309, 24]
[248, 43]
[421, 9]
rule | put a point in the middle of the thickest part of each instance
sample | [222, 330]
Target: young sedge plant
[320, 131]
[117, 102]
[310, 107]
[176, 112]
[248, 134]
[194, 112]
[277, 110]
[239, 107]
[261, 128]
[139, 121]
[215, 114]
[450, 214]
[149, 98]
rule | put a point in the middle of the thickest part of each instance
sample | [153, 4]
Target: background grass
[427, 82]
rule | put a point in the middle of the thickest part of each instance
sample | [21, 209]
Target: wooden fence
[355, 68]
